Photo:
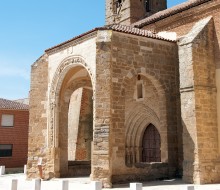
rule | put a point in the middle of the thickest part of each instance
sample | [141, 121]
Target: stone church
[135, 100]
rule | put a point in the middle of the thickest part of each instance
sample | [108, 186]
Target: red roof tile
[136, 31]
[169, 12]
[12, 105]
[118, 28]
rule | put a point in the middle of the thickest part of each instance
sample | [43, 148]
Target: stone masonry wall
[183, 23]
[206, 107]
[157, 61]
[131, 11]
[38, 121]
[198, 104]
[101, 152]
[139, 113]
[64, 62]
[206, 57]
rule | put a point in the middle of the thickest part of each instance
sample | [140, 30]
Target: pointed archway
[151, 144]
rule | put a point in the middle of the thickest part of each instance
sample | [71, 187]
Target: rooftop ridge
[169, 12]
[138, 32]
[118, 28]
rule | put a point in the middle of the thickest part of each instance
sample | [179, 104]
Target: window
[147, 6]
[139, 90]
[117, 6]
[6, 150]
[151, 145]
[7, 120]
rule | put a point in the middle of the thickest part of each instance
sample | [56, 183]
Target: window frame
[11, 151]
[13, 120]
[138, 84]
[147, 4]
[117, 4]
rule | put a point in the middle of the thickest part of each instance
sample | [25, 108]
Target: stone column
[101, 154]
[198, 104]
[53, 163]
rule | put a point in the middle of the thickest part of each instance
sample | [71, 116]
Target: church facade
[136, 99]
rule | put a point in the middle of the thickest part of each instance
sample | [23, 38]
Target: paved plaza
[83, 183]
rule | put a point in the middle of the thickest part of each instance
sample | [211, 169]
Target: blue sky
[27, 28]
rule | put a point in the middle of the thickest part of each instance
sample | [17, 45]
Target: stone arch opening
[75, 80]
[71, 126]
[80, 132]
[139, 113]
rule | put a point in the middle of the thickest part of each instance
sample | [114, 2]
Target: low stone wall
[144, 172]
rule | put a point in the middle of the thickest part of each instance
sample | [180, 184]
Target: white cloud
[14, 72]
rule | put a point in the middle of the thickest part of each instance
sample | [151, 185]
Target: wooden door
[151, 145]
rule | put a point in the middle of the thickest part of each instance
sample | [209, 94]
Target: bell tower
[127, 12]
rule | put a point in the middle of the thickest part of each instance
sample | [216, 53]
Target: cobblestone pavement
[83, 183]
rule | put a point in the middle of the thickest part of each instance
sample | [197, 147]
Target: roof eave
[186, 6]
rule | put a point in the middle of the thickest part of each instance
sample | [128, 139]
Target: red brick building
[14, 119]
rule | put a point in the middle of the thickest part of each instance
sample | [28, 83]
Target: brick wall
[182, 23]
[17, 136]
[85, 127]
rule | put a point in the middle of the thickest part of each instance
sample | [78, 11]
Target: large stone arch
[140, 117]
[61, 88]
[55, 87]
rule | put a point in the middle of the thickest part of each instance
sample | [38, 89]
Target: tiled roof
[169, 12]
[23, 101]
[136, 31]
[12, 105]
[118, 28]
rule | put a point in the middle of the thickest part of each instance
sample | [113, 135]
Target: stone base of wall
[145, 172]
[79, 168]
[210, 172]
